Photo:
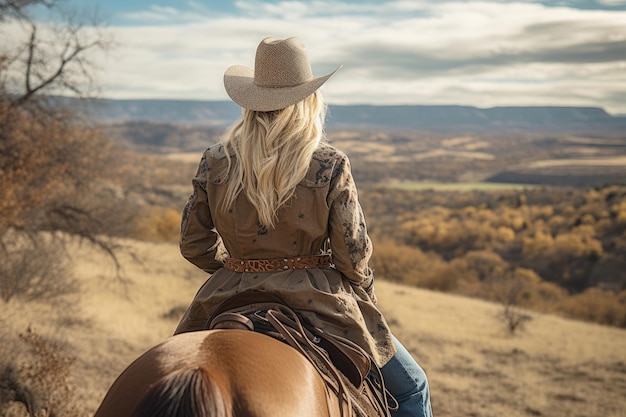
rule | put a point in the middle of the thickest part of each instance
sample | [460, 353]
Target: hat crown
[281, 63]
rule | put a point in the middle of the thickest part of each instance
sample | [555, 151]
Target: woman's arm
[199, 240]
[350, 243]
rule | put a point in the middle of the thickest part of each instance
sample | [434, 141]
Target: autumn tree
[51, 161]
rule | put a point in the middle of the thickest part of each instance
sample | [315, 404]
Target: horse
[220, 373]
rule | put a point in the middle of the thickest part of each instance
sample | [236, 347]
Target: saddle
[265, 312]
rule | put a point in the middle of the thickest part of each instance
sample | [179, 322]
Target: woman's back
[301, 228]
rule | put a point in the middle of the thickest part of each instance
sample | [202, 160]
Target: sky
[480, 53]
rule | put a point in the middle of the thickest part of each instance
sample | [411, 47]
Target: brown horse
[225, 373]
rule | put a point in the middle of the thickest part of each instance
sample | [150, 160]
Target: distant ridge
[166, 111]
[422, 117]
[472, 118]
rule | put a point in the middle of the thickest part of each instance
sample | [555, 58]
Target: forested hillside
[558, 250]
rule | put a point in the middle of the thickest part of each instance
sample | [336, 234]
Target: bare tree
[50, 160]
[513, 290]
[51, 57]
[512, 314]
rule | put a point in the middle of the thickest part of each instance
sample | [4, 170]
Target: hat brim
[240, 86]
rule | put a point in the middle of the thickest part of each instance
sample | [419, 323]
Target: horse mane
[187, 392]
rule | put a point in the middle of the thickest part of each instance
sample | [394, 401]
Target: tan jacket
[325, 207]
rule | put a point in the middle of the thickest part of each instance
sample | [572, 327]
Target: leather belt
[280, 264]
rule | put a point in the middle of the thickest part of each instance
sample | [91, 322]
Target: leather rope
[292, 337]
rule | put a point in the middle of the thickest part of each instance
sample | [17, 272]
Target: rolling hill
[555, 367]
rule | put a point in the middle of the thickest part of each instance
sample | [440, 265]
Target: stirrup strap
[294, 337]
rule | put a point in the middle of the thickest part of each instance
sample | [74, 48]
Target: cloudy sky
[480, 53]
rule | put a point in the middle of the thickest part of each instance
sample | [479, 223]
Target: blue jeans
[407, 382]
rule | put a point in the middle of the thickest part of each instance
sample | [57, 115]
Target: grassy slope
[554, 368]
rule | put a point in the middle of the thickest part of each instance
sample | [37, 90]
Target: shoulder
[214, 163]
[327, 153]
[327, 162]
[217, 151]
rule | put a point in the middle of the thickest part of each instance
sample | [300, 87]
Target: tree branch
[31, 54]
[16, 7]
[45, 67]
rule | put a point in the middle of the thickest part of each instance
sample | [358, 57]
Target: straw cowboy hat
[281, 77]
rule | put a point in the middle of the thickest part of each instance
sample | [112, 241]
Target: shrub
[160, 225]
[408, 265]
[395, 262]
[596, 305]
[34, 269]
[39, 385]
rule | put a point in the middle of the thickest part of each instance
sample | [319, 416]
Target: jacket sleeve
[350, 244]
[199, 241]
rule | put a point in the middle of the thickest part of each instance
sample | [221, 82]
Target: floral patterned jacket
[324, 212]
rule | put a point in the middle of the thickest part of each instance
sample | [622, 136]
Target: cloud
[613, 2]
[161, 15]
[451, 52]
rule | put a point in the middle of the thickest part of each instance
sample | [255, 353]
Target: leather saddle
[335, 358]
[265, 312]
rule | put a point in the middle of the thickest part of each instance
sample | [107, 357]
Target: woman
[279, 199]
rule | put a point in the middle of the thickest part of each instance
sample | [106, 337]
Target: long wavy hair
[272, 151]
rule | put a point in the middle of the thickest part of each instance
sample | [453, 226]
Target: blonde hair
[273, 151]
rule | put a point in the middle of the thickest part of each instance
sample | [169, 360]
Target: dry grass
[555, 368]
[192, 157]
[618, 161]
